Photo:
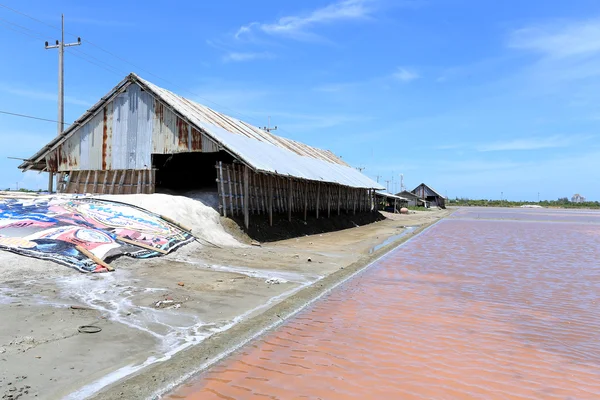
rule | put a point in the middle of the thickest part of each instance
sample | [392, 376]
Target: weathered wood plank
[270, 184]
[222, 187]
[122, 181]
[318, 197]
[246, 183]
[290, 194]
[87, 179]
[230, 190]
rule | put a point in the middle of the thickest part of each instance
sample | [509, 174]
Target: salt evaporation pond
[486, 304]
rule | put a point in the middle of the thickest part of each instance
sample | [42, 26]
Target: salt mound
[203, 220]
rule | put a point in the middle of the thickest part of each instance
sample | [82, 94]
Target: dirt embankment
[163, 317]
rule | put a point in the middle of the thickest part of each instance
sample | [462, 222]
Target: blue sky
[472, 97]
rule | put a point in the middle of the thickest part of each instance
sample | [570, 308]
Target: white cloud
[42, 95]
[405, 75]
[535, 143]
[559, 39]
[235, 56]
[299, 27]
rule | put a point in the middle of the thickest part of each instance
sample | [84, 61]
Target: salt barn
[140, 138]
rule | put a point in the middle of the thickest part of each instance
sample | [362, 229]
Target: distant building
[140, 138]
[434, 198]
[389, 202]
[577, 198]
[413, 199]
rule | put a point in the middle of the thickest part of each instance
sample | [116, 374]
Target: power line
[5, 25]
[116, 71]
[31, 117]
[130, 63]
[22, 27]
[113, 70]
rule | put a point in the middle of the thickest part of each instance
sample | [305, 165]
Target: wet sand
[224, 296]
[473, 308]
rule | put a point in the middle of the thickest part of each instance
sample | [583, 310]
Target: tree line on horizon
[562, 202]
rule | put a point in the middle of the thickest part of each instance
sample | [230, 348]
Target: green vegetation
[560, 203]
[416, 208]
[23, 190]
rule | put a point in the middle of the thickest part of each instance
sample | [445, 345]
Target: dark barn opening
[183, 172]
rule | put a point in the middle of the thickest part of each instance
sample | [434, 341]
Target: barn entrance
[187, 172]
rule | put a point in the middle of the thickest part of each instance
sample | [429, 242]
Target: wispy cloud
[521, 144]
[238, 56]
[235, 56]
[535, 143]
[559, 39]
[299, 27]
[403, 74]
[42, 95]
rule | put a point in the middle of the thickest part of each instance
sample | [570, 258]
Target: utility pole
[402, 188]
[268, 127]
[538, 197]
[378, 176]
[360, 169]
[387, 185]
[60, 45]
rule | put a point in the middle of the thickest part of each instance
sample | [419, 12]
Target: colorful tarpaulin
[64, 229]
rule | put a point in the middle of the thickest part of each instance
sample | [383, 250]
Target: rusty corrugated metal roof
[261, 150]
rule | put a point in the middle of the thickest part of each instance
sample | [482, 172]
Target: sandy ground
[151, 310]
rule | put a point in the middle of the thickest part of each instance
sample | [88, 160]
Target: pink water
[470, 309]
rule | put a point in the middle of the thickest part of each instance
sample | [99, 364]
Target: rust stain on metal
[104, 139]
[196, 140]
[51, 162]
[182, 133]
[159, 111]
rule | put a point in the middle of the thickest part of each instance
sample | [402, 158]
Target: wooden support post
[318, 195]
[263, 193]
[222, 186]
[69, 182]
[235, 197]
[139, 182]
[395, 205]
[153, 180]
[122, 181]
[290, 194]
[270, 184]
[328, 201]
[114, 180]
[246, 183]
[305, 199]
[87, 179]
[339, 199]
[104, 182]
[230, 190]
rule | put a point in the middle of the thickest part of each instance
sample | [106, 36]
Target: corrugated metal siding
[424, 191]
[207, 115]
[133, 116]
[107, 137]
[144, 119]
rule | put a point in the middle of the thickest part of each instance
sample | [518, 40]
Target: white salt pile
[203, 220]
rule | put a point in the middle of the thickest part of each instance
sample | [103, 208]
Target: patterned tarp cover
[52, 228]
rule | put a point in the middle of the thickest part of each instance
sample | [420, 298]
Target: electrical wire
[132, 64]
[31, 117]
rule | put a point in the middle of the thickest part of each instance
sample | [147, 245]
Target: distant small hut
[412, 199]
[434, 198]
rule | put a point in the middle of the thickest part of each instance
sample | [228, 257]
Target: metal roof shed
[113, 148]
